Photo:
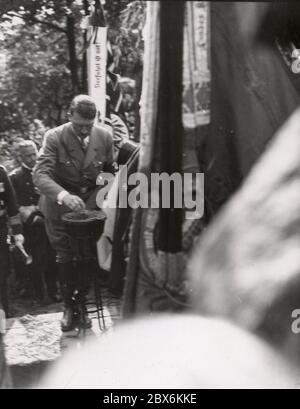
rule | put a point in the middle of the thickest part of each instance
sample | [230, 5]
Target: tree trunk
[84, 74]
[72, 53]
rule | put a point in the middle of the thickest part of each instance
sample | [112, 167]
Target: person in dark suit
[72, 157]
[37, 242]
[9, 215]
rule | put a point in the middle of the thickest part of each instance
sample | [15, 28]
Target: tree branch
[73, 64]
[38, 21]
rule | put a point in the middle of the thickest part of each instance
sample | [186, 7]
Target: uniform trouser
[36, 245]
[59, 240]
[65, 256]
[4, 268]
[43, 269]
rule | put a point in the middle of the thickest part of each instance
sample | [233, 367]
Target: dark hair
[84, 106]
[27, 143]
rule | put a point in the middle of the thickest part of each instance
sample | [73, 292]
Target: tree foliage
[43, 48]
[36, 82]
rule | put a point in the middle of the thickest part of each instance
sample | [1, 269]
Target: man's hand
[19, 240]
[73, 202]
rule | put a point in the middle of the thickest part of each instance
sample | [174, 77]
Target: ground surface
[33, 339]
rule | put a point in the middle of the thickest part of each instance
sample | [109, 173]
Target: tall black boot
[66, 275]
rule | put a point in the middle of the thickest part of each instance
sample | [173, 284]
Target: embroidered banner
[196, 65]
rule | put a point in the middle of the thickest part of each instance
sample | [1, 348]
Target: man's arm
[11, 205]
[44, 171]
[20, 189]
[110, 164]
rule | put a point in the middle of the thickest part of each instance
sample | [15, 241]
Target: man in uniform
[37, 243]
[9, 214]
[72, 157]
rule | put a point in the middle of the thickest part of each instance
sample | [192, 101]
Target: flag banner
[154, 280]
[103, 82]
[97, 59]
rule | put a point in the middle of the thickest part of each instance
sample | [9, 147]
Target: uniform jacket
[26, 192]
[8, 204]
[63, 165]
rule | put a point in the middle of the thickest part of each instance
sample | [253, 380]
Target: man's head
[28, 153]
[82, 115]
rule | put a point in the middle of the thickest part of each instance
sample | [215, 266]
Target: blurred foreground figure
[172, 351]
[246, 267]
[5, 379]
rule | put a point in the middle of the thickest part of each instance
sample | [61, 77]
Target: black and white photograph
[149, 197]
